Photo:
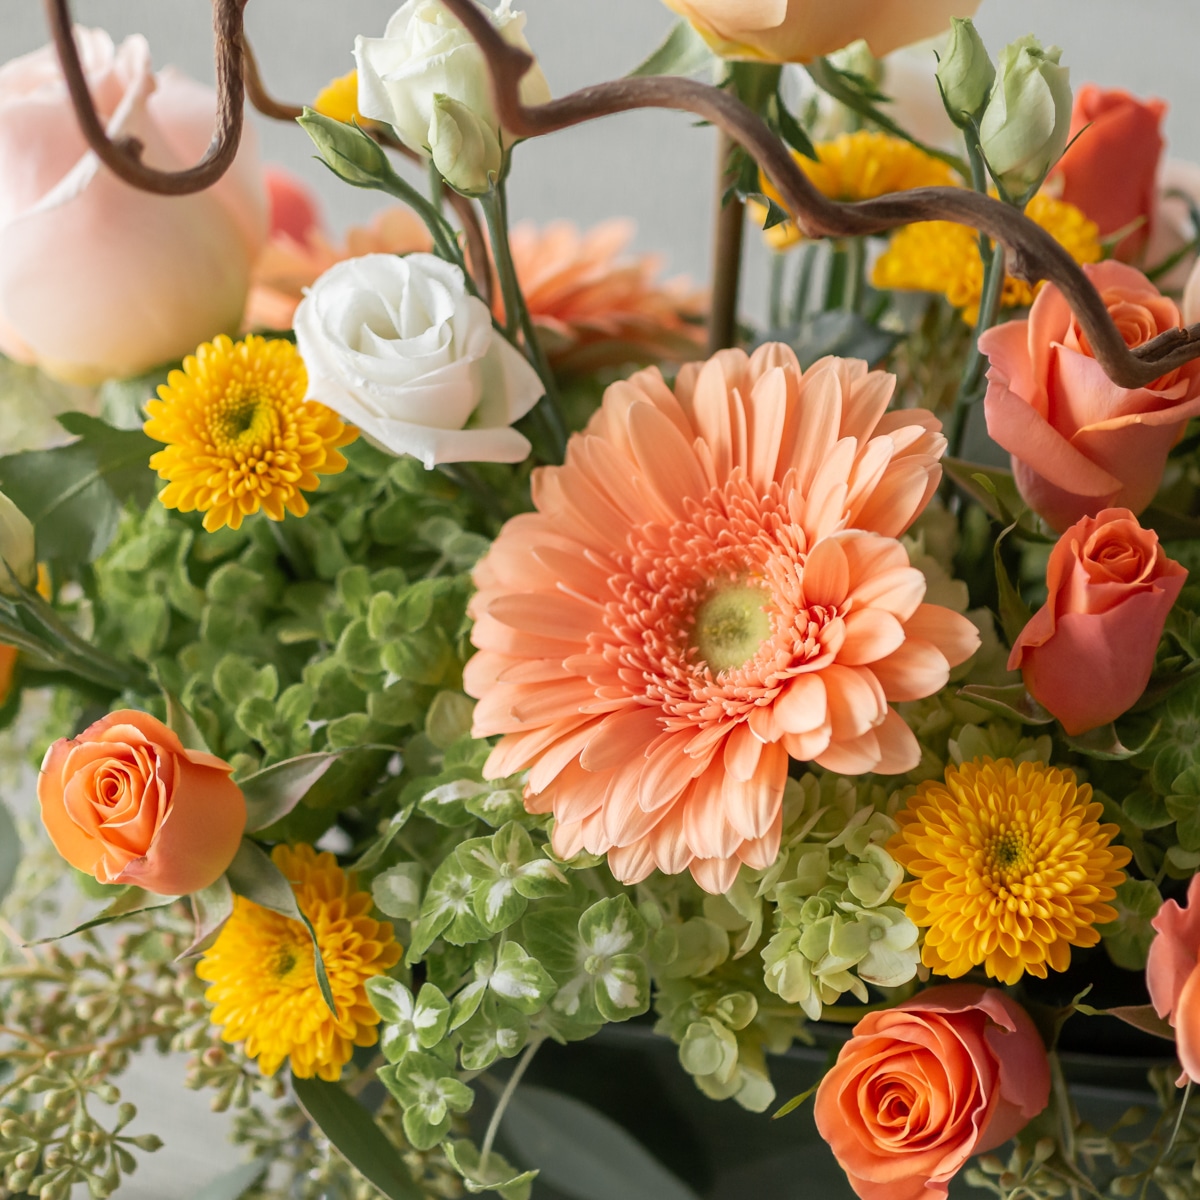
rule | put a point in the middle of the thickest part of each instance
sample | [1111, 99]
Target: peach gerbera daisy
[596, 306]
[711, 583]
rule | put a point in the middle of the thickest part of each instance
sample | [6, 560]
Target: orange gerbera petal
[711, 583]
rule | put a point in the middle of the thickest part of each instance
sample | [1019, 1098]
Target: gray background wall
[654, 167]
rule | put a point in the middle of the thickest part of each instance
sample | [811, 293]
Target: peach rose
[922, 1087]
[1080, 443]
[126, 802]
[1110, 171]
[801, 30]
[1173, 974]
[98, 279]
[1087, 653]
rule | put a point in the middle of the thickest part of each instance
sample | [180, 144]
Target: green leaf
[499, 1175]
[132, 900]
[409, 1024]
[1007, 700]
[583, 1153]
[253, 875]
[1128, 938]
[352, 1131]
[795, 1102]
[236, 1183]
[1014, 612]
[1140, 1016]
[74, 494]
[495, 1030]
[842, 334]
[211, 908]
[790, 129]
[776, 214]
[993, 488]
[272, 793]
[397, 892]
[520, 979]
[1103, 743]
[10, 851]
[682, 52]
[859, 94]
[180, 722]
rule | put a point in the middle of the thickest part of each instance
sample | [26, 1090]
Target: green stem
[807, 254]
[437, 188]
[516, 315]
[775, 310]
[835, 280]
[856, 274]
[728, 235]
[514, 1079]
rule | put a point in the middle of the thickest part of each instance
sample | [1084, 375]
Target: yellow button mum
[941, 256]
[240, 435]
[339, 99]
[1012, 868]
[858, 166]
[264, 980]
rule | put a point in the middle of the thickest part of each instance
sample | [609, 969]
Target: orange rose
[1080, 443]
[801, 30]
[921, 1087]
[1173, 974]
[1087, 653]
[1110, 173]
[127, 803]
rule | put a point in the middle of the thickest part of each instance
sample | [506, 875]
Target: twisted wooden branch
[1034, 255]
[124, 156]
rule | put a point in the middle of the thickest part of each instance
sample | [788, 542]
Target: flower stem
[727, 256]
[516, 315]
[489, 1138]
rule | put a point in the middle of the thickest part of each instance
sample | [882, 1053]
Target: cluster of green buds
[837, 927]
[1020, 108]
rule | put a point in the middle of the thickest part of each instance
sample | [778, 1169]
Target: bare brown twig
[124, 156]
[1034, 254]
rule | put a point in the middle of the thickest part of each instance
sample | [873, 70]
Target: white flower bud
[965, 72]
[465, 149]
[1028, 116]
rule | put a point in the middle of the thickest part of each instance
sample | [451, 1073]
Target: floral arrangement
[455, 640]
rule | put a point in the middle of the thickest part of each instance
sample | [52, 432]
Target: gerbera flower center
[711, 619]
[731, 625]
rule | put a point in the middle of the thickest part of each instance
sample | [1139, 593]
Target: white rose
[424, 53]
[399, 348]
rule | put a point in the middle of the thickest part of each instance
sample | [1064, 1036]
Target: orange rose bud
[1110, 172]
[1087, 653]
[922, 1087]
[1080, 443]
[126, 802]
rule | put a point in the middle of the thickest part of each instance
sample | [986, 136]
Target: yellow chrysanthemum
[264, 981]
[240, 435]
[338, 99]
[1012, 868]
[858, 166]
[940, 256]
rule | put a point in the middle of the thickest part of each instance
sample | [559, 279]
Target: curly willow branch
[1034, 254]
[124, 156]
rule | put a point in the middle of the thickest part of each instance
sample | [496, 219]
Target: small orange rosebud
[125, 801]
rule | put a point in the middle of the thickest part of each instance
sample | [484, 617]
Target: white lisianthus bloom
[399, 348]
[425, 53]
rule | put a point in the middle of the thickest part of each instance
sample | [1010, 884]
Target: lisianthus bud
[348, 152]
[965, 72]
[465, 149]
[17, 559]
[1028, 115]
